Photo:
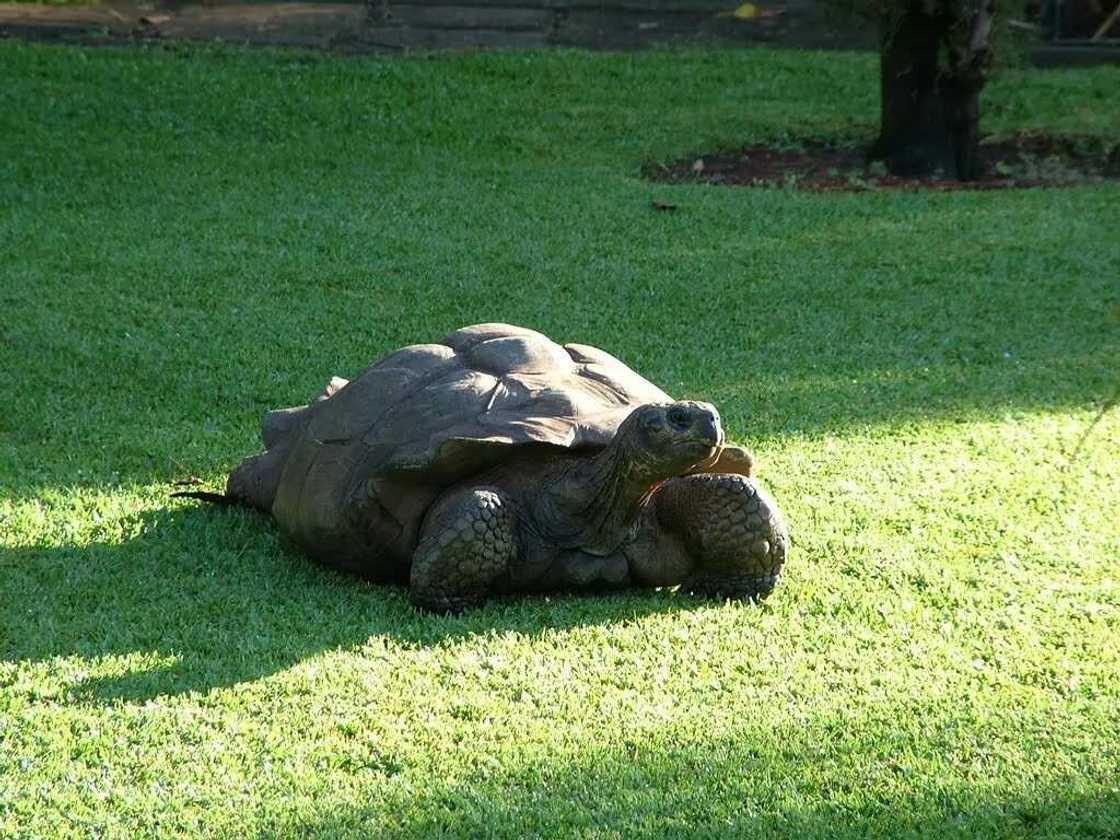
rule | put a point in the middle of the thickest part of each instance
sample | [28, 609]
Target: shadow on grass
[216, 594]
[748, 785]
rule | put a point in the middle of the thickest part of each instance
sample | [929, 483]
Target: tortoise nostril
[710, 428]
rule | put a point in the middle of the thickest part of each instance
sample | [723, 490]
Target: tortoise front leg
[467, 542]
[715, 534]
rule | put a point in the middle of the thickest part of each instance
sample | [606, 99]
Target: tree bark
[931, 72]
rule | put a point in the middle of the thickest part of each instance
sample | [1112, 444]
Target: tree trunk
[930, 79]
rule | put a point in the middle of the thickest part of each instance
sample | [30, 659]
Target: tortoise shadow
[213, 598]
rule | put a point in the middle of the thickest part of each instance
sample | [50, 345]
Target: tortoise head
[666, 439]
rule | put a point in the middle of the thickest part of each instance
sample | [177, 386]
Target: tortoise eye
[655, 423]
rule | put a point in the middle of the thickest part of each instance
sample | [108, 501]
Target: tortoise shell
[359, 466]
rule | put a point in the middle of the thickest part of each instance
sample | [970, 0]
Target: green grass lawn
[189, 237]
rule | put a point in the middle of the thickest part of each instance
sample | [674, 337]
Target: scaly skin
[467, 543]
[713, 534]
[730, 530]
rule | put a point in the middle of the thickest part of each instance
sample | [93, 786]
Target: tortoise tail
[253, 484]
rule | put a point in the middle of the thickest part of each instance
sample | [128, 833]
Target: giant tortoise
[498, 461]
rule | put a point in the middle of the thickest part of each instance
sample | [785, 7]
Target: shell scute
[351, 411]
[465, 338]
[519, 354]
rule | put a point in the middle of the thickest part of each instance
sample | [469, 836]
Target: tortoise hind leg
[468, 541]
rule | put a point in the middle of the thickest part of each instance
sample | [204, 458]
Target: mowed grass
[191, 237]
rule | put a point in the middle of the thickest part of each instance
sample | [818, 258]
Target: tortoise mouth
[700, 447]
[694, 454]
[708, 441]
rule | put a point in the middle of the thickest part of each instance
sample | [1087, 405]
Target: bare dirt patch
[1025, 160]
[403, 25]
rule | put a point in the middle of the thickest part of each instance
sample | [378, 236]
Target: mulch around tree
[1025, 160]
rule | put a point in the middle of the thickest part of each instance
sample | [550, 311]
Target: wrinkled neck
[597, 505]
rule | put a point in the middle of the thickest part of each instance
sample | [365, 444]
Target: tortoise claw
[730, 586]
